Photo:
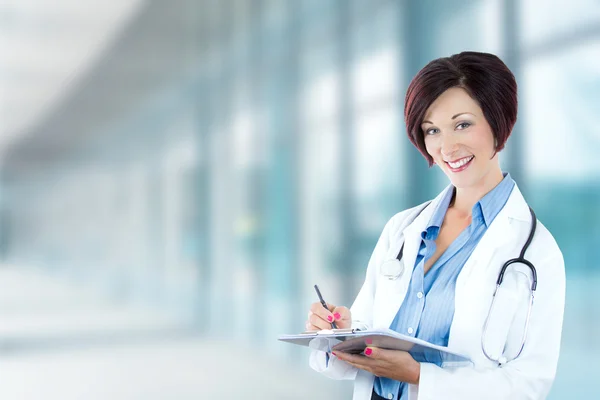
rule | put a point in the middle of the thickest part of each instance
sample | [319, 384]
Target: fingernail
[337, 315]
[333, 352]
[329, 318]
[369, 341]
[368, 351]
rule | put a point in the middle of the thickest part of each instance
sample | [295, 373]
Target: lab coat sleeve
[528, 377]
[362, 309]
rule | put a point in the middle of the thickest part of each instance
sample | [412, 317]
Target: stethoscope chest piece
[392, 269]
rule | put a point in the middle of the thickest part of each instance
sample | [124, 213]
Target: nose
[449, 145]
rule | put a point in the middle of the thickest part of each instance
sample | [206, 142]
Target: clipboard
[354, 341]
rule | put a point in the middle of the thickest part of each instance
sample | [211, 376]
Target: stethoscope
[394, 268]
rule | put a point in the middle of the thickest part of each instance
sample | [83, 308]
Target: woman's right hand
[319, 318]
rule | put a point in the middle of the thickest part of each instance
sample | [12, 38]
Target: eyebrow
[453, 117]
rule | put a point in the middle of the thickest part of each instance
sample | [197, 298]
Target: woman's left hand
[394, 364]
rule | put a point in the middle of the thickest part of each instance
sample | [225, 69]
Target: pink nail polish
[333, 352]
[329, 318]
[368, 351]
[369, 341]
[337, 315]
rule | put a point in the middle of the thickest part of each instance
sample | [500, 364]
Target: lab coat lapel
[477, 278]
[412, 232]
[494, 238]
[500, 232]
[411, 237]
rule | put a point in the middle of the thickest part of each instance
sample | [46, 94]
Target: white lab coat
[530, 376]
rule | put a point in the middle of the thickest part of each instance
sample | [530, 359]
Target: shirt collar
[489, 206]
[495, 199]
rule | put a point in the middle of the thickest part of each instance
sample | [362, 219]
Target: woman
[459, 112]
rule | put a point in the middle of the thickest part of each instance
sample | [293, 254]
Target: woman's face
[460, 140]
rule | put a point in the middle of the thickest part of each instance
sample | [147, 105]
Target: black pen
[324, 304]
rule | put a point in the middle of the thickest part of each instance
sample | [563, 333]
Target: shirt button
[410, 330]
[390, 396]
[420, 295]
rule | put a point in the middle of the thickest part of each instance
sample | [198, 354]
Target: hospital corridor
[175, 176]
[59, 340]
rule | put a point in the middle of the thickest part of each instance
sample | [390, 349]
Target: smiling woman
[459, 112]
[490, 87]
[463, 145]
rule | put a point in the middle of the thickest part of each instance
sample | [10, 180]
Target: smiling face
[460, 140]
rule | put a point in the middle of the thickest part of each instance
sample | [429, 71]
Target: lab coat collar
[516, 207]
[439, 211]
[422, 221]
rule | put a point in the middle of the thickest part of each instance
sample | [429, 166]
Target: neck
[465, 198]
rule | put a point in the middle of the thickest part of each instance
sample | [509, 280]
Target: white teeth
[460, 163]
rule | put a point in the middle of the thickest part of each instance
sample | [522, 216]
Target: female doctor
[459, 112]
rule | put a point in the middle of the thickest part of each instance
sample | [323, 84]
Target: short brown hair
[482, 75]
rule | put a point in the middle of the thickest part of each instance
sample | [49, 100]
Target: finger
[382, 354]
[352, 358]
[341, 314]
[353, 364]
[319, 322]
[363, 367]
[320, 311]
[373, 352]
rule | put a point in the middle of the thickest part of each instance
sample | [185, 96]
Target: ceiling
[92, 78]
[45, 50]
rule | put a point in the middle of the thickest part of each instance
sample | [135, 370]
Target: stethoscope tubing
[522, 260]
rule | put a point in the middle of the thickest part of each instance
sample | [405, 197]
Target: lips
[460, 164]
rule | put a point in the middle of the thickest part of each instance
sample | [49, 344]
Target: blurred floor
[61, 341]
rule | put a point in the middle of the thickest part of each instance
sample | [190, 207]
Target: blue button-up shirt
[428, 308]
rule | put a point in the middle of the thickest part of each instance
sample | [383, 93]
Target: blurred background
[176, 175]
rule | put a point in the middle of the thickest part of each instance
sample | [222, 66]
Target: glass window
[378, 176]
[561, 97]
[560, 20]
[561, 100]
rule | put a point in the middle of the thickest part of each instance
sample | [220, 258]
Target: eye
[468, 124]
[430, 131]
